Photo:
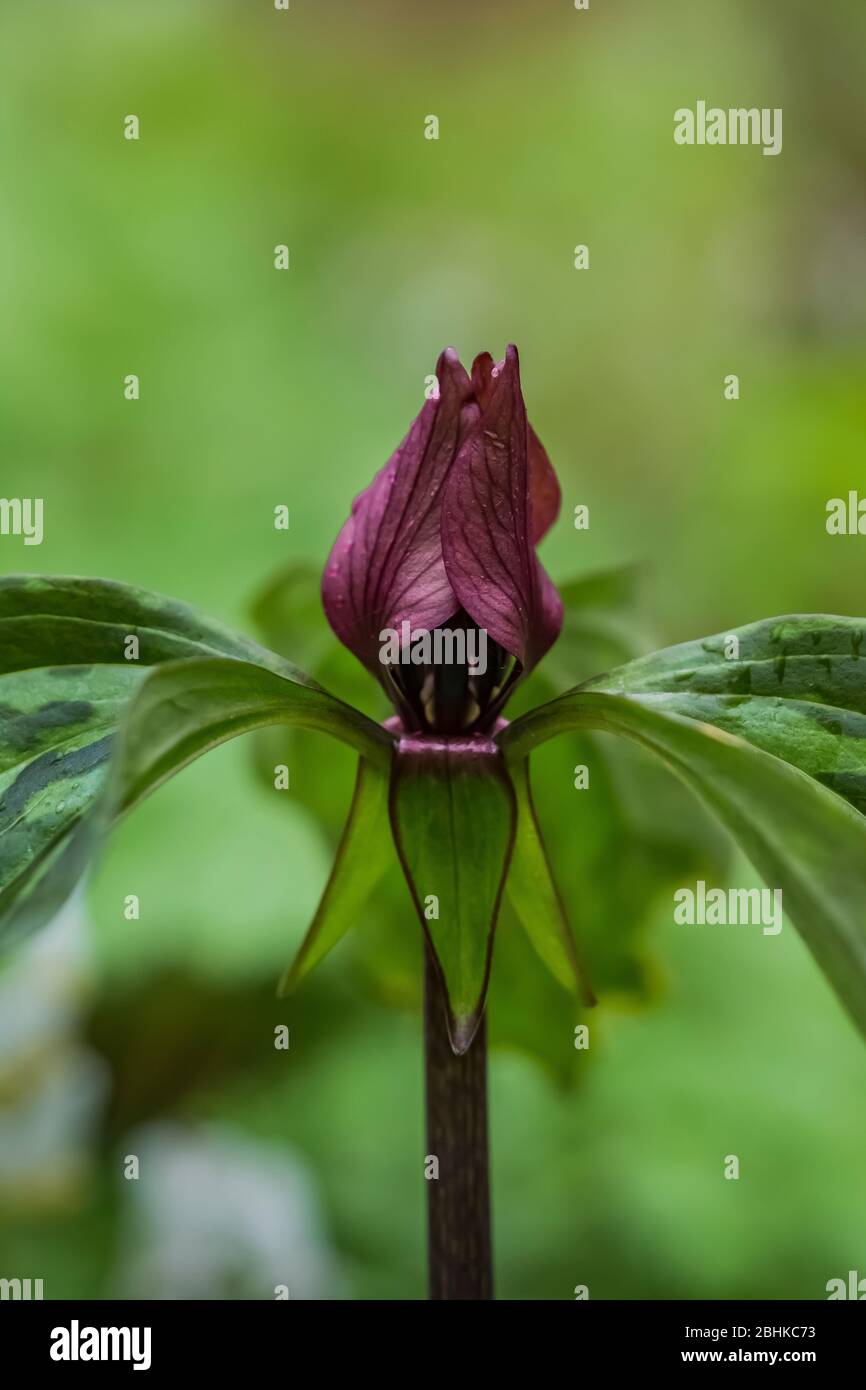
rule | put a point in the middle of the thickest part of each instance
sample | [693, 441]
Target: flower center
[452, 680]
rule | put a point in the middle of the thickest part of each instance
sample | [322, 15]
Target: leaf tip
[288, 980]
[462, 1029]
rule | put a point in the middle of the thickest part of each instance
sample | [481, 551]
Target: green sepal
[534, 895]
[362, 857]
[453, 816]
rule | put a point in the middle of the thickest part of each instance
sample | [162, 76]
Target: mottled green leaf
[65, 689]
[794, 686]
[59, 621]
[801, 837]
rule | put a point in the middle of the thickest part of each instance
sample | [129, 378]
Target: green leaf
[453, 814]
[187, 707]
[66, 688]
[363, 855]
[800, 836]
[59, 621]
[533, 895]
[794, 686]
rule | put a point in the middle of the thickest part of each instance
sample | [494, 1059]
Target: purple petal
[487, 532]
[386, 566]
[545, 496]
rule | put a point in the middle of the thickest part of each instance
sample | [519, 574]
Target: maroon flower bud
[443, 542]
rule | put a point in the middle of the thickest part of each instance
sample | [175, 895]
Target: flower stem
[458, 1200]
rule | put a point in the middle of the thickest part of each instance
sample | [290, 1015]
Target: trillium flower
[435, 586]
[445, 537]
[765, 722]
[443, 541]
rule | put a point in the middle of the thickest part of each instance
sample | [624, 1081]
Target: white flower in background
[52, 1088]
[217, 1215]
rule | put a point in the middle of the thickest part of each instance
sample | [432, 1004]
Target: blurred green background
[261, 388]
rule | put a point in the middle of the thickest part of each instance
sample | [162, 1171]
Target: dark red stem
[458, 1200]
